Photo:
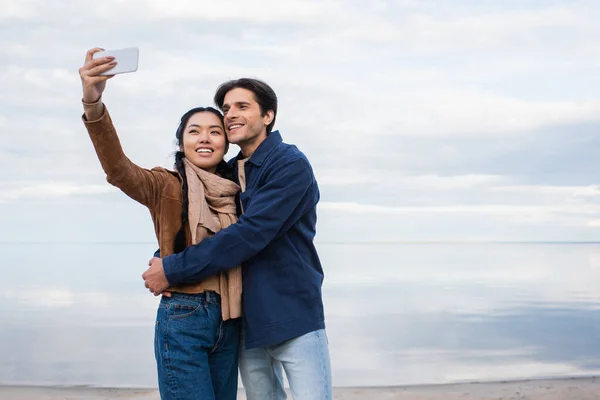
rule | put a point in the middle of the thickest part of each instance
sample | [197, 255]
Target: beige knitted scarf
[206, 192]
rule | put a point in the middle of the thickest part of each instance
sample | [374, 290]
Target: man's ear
[269, 116]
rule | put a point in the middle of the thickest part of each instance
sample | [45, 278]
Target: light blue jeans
[304, 359]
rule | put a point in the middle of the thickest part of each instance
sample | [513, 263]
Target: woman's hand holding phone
[92, 80]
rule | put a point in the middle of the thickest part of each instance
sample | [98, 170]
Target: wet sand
[551, 389]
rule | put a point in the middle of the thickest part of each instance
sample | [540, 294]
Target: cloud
[559, 214]
[21, 10]
[429, 110]
[49, 190]
[340, 177]
[476, 209]
[228, 10]
[592, 191]
[139, 11]
[476, 28]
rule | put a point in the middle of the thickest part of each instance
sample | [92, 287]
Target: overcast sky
[424, 120]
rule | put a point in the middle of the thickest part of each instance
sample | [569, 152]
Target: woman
[197, 325]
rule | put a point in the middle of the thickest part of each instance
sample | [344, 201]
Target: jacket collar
[263, 149]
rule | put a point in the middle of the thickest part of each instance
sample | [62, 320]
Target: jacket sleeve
[142, 185]
[273, 210]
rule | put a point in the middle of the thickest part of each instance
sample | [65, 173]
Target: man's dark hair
[263, 94]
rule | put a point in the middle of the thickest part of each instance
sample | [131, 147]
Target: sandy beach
[552, 389]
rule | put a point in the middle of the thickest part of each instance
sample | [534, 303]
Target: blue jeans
[304, 359]
[196, 351]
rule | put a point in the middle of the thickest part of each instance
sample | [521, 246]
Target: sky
[423, 120]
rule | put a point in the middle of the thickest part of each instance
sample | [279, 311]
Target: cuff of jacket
[93, 111]
[170, 268]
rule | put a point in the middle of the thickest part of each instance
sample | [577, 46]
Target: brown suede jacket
[158, 189]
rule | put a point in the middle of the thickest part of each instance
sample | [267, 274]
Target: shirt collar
[263, 149]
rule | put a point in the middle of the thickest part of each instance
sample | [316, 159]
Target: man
[282, 275]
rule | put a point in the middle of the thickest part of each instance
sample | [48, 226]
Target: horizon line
[332, 242]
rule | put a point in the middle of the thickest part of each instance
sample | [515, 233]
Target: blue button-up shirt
[273, 240]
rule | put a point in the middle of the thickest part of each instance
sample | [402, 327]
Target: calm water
[396, 313]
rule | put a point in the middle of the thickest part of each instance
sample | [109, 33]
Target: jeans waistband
[208, 296]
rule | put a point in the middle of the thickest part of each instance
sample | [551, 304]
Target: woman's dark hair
[263, 94]
[223, 170]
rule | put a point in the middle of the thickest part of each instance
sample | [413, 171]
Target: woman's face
[204, 141]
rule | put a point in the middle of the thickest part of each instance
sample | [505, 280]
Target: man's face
[244, 123]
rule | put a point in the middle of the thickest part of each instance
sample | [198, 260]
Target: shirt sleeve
[273, 209]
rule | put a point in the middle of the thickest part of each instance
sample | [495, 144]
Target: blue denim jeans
[196, 351]
[304, 359]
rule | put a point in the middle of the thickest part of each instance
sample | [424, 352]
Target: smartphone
[127, 60]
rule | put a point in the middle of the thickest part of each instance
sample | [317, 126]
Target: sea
[396, 313]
